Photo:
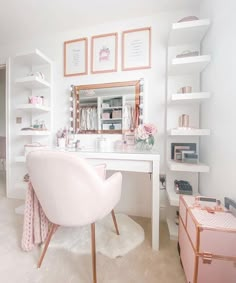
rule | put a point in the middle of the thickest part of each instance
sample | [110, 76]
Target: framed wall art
[104, 53]
[136, 49]
[76, 57]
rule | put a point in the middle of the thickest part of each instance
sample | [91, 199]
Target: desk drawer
[124, 165]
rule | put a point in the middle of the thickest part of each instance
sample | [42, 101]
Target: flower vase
[61, 142]
[146, 144]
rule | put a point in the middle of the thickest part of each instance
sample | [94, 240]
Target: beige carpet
[141, 265]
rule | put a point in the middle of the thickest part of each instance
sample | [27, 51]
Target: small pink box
[105, 115]
[35, 100]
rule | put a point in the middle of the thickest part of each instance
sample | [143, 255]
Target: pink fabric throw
[36, 225]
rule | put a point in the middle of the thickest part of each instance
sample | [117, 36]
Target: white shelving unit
[184, 71]
[25, 82]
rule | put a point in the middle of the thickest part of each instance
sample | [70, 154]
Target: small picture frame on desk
[76, 57]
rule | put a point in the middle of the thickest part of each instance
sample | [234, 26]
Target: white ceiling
[22, 19]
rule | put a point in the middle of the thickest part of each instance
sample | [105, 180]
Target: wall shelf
[173, 229]
[32, 58]
[189, 132]
[188, 167]
[172, 197]
[20, 159]
[112, 107]
[112, 119]
[32, 82]
[34, 133]
[192, 97]
[34, 108]
[188, 32]
[189, 65]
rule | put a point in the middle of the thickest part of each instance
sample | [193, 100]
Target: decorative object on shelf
[36, 99]
[39, 75]
[144, 136]
[177, 148]
[76, 57]
[189, 157]
[185, 89]
[136, 49]
[112, 127]
[184, 121]
[183, 187]
[187, 53]
[104, 53]
[188, 19]
[116, 114]
[106, 115]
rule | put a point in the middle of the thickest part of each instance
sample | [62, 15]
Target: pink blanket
[36, 225]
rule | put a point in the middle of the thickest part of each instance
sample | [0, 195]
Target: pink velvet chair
[72, 192]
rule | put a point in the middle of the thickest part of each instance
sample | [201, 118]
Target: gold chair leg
[48, 239]
[93, 242]
[115, 223]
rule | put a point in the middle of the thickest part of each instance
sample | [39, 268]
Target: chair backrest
[67, 186]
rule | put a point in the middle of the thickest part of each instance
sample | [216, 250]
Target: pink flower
[143, 132]
[150, 129]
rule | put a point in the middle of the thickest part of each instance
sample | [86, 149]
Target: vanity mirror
[108, 108]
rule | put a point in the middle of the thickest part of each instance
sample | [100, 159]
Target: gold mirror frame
[75, 106]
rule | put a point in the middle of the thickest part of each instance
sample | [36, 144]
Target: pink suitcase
[207, 241]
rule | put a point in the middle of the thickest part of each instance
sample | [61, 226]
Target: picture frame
[136, 49]
[76, 57]
[104, 50]
[178, 148]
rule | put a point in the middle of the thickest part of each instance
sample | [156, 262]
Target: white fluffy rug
[78, 240]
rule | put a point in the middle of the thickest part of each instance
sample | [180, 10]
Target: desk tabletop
[121, 153]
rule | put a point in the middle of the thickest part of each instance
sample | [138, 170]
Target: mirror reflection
[107, 108]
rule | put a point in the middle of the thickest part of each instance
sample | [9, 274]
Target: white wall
[2, 102]
[136, 198]
[219, 113]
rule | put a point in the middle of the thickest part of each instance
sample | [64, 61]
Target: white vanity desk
[132, 160]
